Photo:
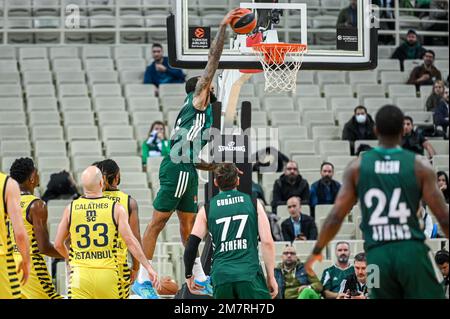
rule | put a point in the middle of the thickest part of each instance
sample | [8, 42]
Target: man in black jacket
[360, 127]
[298, 226]
[291, 183]
[411, 49]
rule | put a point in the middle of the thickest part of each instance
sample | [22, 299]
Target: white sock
[197, 270]
[143, 274]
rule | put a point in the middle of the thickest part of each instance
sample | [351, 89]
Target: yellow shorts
[9, 281]
[39, 284]
[124, 280]
[93, 283]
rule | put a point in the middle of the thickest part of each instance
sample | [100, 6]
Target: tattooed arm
[202, 90]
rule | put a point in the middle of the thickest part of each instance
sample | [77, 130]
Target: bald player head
[92, 180]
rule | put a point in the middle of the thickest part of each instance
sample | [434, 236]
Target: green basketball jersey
[389, 195]
[233, 225]
[186, 141]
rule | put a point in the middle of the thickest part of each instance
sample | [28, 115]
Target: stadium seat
[79, 163]
[85, 148]
[9, 77]
[367, 77]
[128, 52]
[44, 118]
[376, 102]
[106, 90]
[102, 77]
[309, 90]
[34, 65]
[15, 148]
[61, 52]
[141, 90]
[10, 90]
[112, 118]
[440, 162]
[134, 180]
[393, 77]
[368, 90]
[72, 90]
[33, 53]
[142, 104]
[340, 162]
[131, 164]
[409, 104]
[105, 104]
[326, 132]
[37, 77]
[78, 118]
[121, 148]
[312, 103]
[96, 52]
[82, 133]
[406, 90]
[334, 90]
[7, 53]
[331, 77]
[8, 66]
[11, 104]
[50, 148]
[53, 164]
[75, 104]
[42, 104]
[308, 163]
[281, 118]
[146, 117]
[306, 77]
[67, 65]
[172, 89]
[328, 148]
[172, 103]
[12, 118]
[292, 132]
[117, 132]
[441, 147]
[99, 64]
[299, 147]
[421, 118]
[47, 132]
[33, 90]
[16, 132]
[272, 104]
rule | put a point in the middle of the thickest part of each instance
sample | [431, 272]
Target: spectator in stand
[359, 127]
[324, 191]
[348, 17]
[414, 140]
[332, 277]
[411, 49]
[443, 184]
[438, 11]
[299, 226]
[293, 281]
[427, 73]
[160, 72]
[355, 285]
[291, 183]
[436, 96]
[441, 113]
[442, 260]
[156, 143]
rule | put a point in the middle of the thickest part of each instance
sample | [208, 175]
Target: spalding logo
[231, 147]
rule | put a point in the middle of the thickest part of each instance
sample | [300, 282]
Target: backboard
[339, 36]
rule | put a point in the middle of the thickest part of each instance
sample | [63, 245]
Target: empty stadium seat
[11, 104]
[107, 90]
[78, 118]
[73, 64]
[44, 118]
[299, 147]
[85, 148]
[117, 132]
[112, 118]
[33, 90]
[12, 118]
[53, 164]
[47, 132]
[121, 148]
[146, 117]
[142, 104]
[312, 103]
[42, 104]
[80, 163]
[51, 148]
[308, 163]
[16, 132]
[15, 148]
[131, 163]
[144, 90]
[105, 104]
[69, 104]
[328, 148]
[82, 133]
[280, 118]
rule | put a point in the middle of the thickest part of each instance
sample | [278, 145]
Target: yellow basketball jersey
[93, 233]
[25, 203]
[5, 244]
[124, 200]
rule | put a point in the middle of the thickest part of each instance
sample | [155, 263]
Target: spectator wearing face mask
[324, 191]
[359, 127]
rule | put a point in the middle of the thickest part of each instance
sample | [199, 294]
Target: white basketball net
[281, 65]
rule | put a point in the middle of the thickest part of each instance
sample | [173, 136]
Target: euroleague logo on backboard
[199, 33]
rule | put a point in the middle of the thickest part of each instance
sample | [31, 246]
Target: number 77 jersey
[389, 195]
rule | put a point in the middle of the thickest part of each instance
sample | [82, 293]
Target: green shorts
[255, 289]
[178, 187]
[407, 271]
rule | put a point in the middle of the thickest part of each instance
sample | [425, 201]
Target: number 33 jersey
[93, 233]
[389, 195]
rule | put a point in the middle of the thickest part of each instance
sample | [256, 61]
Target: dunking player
[94, 224]
[389, 183]
[177, 174]
[111, 178]
[10, 212]
[235, 223]
[34, 214]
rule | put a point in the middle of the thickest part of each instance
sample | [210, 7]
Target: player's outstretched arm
[345, 201]
[39, 216]
[12, 197]
[63, 233]
[267, 249]
[132, 243]
[202, 90]
[431, 193]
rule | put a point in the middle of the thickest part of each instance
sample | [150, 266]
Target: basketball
[245, 23]
[168, 286]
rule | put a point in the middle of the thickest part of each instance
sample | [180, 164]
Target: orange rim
[275, 53]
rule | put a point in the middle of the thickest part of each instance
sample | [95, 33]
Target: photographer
[156, 143]
[355, 285]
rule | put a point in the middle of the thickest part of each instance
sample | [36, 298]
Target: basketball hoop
[280, 73]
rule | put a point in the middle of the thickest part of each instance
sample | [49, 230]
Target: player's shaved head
[389, 121]
[92, 180]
